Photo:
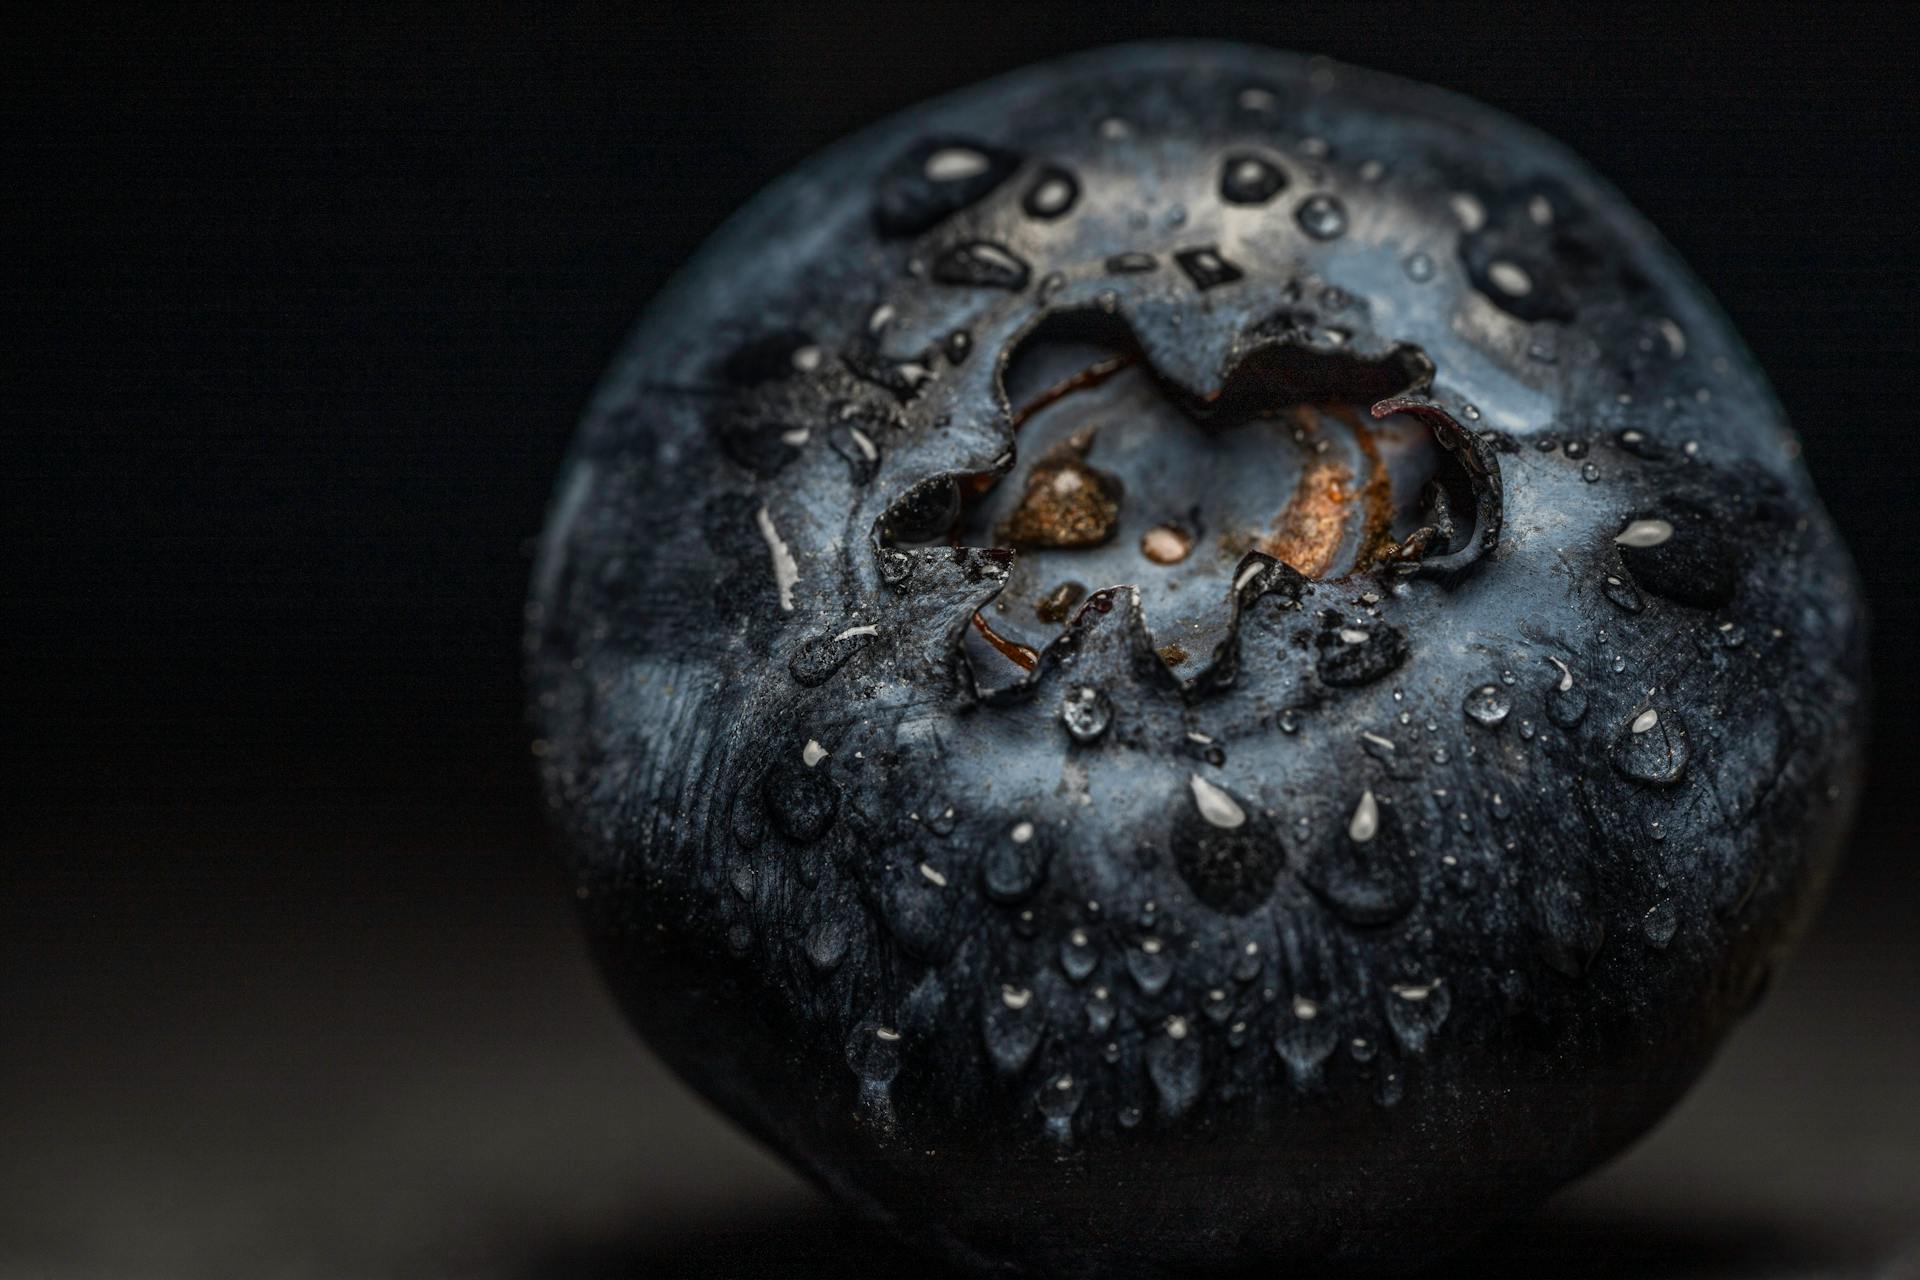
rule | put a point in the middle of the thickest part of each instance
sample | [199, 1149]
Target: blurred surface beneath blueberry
[300, 314]
[234, 1068]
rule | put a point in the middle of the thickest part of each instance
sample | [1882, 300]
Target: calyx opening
[1312, 457]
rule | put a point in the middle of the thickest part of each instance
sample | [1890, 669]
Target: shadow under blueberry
[802, 1242]
[1575, 1244]
[807, 1242]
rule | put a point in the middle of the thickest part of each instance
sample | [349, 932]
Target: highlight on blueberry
[1192, 658]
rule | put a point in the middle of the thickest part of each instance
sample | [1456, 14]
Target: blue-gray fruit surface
[1192, 658]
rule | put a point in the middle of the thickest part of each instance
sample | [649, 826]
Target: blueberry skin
[1313, 950]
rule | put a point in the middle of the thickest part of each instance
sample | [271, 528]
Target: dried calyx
[1327, 462]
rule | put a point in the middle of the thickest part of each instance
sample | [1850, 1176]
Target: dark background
[296, 314]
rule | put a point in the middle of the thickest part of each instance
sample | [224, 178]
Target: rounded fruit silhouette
[1189, 658]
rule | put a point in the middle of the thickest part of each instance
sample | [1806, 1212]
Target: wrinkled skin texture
[1448, 916]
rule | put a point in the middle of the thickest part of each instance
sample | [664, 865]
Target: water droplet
[1215, 805]
[1151, 965]
[1058, 1099]
[1206, 268]
[950, 164]
[1575, 449]
[820, 658]
[1014, 867]
[1641, 445]
[1365, 822]
[1087, 713]
[1509, 278]
[1166, 544]
[1129, 1117]
[1697, 564]
[1249, 179]
[1100, 1011]
[1654, 749]
[918, 911]
[1488, 706]
[1675, 337]
[1321, 216]
[1011, 1026]
[981, 264]
[1254, 98]
[1247, 962]
[1419, 268]
[1590, 473]
[772, 357]
[1660, 923]
[1077, 958]
[1644, 533]
[1362, 871]
[1304, 1042]
[1415, 1010]
[873, 1052]
[1131, 264]
[923, 513]
[1570, 933]
[1622, 594]
[935, 180]
[1225, 856]
[800, 801]
[826, 943]
[1175, 1066]
[1468, 209]
[855, 445]
[1566, 703]
[1052, 194]
[1352, 656]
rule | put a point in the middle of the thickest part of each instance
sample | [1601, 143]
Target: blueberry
[1130, 658]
